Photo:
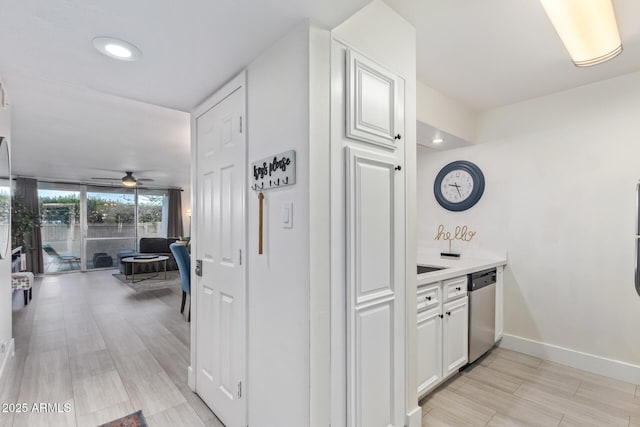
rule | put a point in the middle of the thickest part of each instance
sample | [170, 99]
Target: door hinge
[240, 124]
[240, 256]
[239, 389]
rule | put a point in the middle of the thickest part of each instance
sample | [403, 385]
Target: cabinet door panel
[429, 350]
[375, 102]
[456, 335]
[375, 320]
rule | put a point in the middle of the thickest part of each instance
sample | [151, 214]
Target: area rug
[151, 283]
[132, 420]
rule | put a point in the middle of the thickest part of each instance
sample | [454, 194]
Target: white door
[429, 349]
[220, 291]
[375, 297]
[456, 335]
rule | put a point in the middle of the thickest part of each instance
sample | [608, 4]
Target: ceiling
[491, 53]
[426, 134]
[77, 114]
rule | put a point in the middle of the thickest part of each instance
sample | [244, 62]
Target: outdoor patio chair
[58, 259]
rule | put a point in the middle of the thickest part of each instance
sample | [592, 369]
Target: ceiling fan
[128, 180]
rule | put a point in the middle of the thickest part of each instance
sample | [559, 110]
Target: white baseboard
[191, 379]
[9, 353]
[414, 418]
[622, 371]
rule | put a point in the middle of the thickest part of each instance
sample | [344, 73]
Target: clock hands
[457, 188]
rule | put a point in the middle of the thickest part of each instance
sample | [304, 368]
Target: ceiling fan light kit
[587, 28]
[128, 180]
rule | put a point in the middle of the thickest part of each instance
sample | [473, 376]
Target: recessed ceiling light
[437, 140]
[118, 49]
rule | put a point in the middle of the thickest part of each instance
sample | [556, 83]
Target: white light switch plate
[287, 215]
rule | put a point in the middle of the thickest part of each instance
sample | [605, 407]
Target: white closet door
[220, 290]
[375, 293]
[375, 101]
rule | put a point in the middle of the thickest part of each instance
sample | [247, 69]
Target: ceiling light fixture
[437, 140]
[129, 180]
[588, 29]
[116, 48]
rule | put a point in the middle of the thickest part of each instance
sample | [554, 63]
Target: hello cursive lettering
[459, 233]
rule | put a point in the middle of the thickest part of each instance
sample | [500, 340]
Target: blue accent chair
[183, 260]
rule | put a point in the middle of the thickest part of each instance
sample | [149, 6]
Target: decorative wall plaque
[274, 171]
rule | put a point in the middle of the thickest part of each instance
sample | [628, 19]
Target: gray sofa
[149, 246]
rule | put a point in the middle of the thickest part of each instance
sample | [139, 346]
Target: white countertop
[455, 267]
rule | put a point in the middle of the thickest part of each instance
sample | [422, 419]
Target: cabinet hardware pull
[448, 313]
[458, 288]
[398, 168]
[441, 315]
[428, 298]
[398, 136]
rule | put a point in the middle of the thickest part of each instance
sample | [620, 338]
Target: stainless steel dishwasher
[482, 312]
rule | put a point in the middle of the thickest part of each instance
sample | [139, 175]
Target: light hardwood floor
[89, 340]
[509, 389]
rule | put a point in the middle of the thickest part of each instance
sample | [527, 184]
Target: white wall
[320, 230]
[560, 176]
[445, 113]
[385, 37]
[5, 265]
[278, 280]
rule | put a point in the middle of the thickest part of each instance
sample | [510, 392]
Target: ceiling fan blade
[145, 179]
[106, 179]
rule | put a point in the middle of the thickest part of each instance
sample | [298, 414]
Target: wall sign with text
[275, 171]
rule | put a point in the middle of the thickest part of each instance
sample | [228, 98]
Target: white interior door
[220, 290]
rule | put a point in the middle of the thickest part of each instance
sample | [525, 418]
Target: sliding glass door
[111, 219]
[85, 227]
[60, 227]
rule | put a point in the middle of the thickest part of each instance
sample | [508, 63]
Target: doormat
[149, 283]
[132, 420]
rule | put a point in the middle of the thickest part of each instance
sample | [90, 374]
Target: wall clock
[459, 185]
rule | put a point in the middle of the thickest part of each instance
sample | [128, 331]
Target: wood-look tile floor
[509, 389]
[88, 340]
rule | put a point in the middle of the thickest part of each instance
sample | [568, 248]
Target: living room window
[113, 219]
[153, 207]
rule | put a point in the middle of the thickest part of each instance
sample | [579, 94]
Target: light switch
[287, 215]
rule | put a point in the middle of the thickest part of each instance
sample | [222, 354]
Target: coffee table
[144, 259]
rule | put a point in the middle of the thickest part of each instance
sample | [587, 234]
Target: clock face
[459, 185]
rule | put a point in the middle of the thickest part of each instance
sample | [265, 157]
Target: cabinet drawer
[455, 288]
[428, 297]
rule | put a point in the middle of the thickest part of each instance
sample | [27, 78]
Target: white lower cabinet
[429, 349]
[443, 337]
[455, 335]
